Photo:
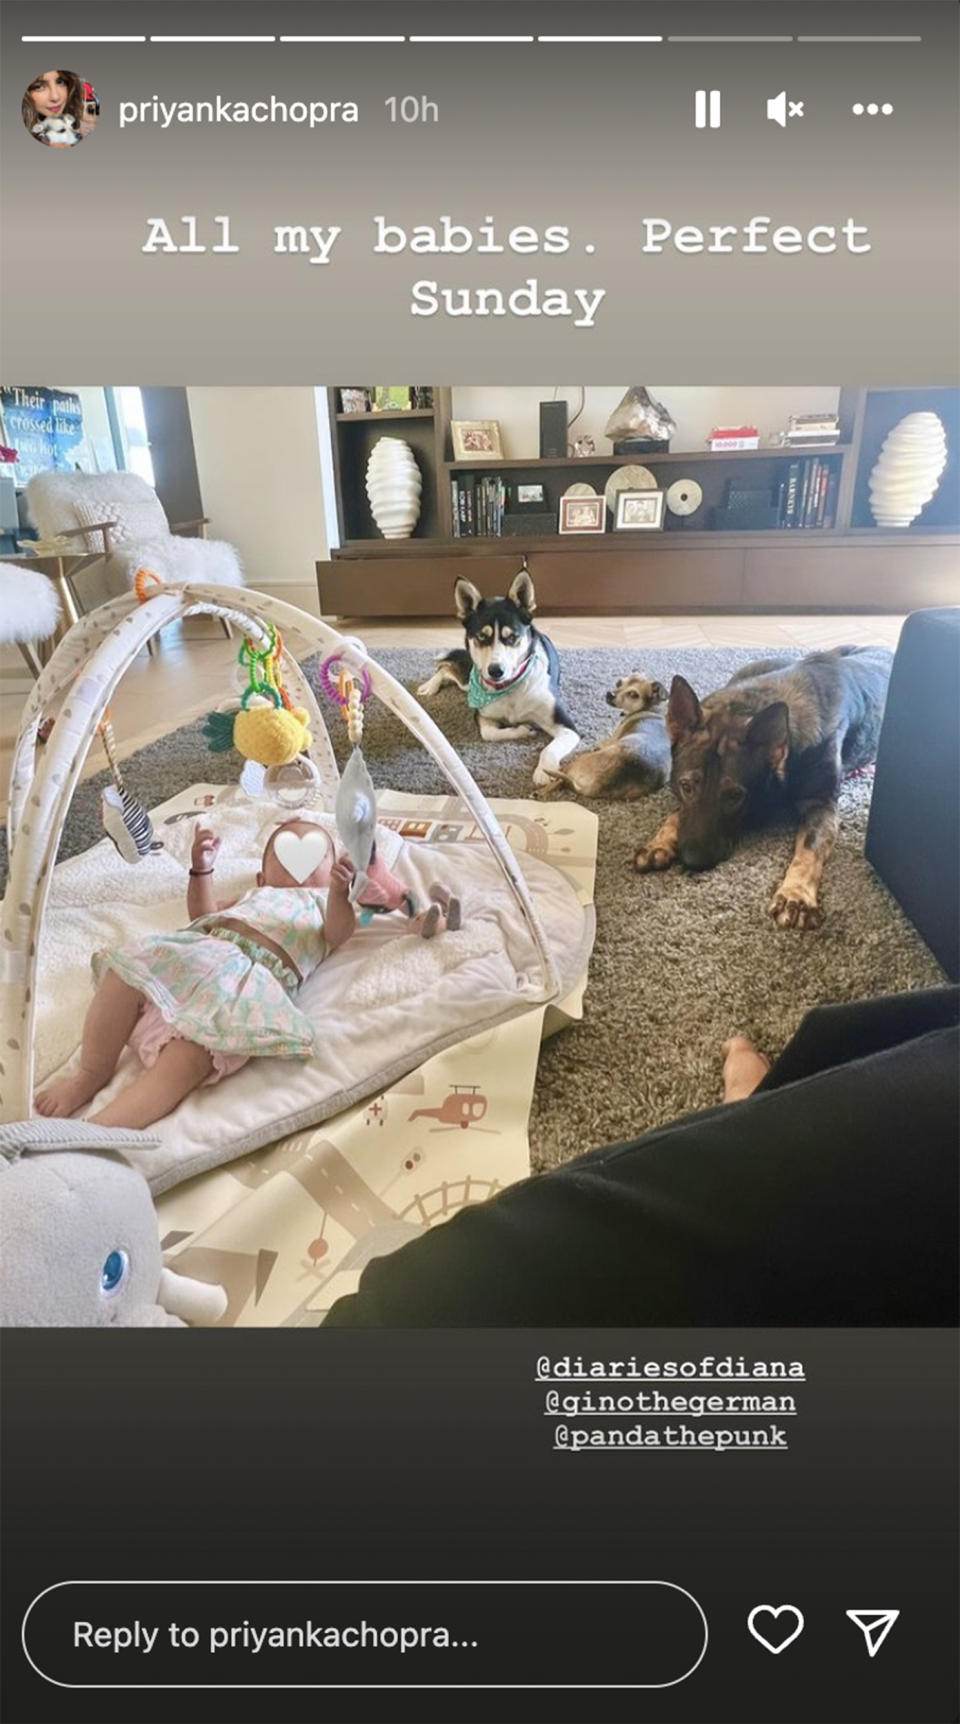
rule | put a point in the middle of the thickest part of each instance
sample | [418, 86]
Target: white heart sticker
[301, 853]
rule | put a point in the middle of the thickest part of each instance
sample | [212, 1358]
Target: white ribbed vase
[908, 469]
[394, 485]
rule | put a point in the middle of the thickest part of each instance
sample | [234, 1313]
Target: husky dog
[777, 739]
[509, 672]
[58, 129]
[635, 760]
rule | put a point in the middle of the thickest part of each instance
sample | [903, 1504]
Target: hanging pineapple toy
[265, 728]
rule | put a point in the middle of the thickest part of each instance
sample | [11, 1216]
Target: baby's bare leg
[180, 1067]
[107, 1027]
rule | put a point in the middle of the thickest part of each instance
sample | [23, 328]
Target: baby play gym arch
[83, 674]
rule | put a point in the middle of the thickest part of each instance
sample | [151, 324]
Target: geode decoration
[640, 423]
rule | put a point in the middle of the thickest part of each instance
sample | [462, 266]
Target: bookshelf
[353, 436]
[846, 564]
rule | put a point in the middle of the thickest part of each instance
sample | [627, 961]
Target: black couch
[913, 835]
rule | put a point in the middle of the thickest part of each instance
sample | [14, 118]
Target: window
[130, 432]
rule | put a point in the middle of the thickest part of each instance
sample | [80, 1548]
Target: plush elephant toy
[79, 1246]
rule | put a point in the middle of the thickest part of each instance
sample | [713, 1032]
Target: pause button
[706, 109]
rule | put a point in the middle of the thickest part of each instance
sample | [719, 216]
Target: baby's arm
[339, 921]
[201, 900]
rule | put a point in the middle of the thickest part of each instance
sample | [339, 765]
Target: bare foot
[62, 1098]
[743, 1068]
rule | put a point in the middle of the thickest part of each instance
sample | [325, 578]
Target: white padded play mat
[383, 1004]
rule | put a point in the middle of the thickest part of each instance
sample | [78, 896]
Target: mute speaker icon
[780, 109]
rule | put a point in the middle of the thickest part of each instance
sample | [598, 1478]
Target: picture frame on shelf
[355, 400]
[639, 511]
[583, 515]
[391, 399]
[528, 499]
[476, 439]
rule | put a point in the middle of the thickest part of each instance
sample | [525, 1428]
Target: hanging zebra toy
[125, 820]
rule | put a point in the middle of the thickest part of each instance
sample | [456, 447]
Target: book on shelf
[812, 429]
[813, 422]
[732, 437]
[807, 497]
[806, 474]
[477, 502]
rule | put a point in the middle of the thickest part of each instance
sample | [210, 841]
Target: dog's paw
[427, 688]
[795, 907]
[650, 858]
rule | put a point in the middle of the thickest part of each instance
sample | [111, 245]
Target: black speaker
[532, 526]
[744, 516]
[553, 430]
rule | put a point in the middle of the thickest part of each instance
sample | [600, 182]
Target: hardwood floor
[681, 631]
[192, 670]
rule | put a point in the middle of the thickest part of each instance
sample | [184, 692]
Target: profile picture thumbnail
[60, 109]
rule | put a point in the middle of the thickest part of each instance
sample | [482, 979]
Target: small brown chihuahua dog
[635, 760]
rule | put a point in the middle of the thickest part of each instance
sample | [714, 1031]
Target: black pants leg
[835, 1035]
[828, 1197]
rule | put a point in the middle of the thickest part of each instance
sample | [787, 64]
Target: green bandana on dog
[479, 694]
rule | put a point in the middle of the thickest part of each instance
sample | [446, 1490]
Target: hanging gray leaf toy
[355, 812]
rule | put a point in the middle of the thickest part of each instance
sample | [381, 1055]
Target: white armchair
[29, 611]
[119, 518]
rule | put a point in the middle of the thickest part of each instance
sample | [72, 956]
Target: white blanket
[383, 1003]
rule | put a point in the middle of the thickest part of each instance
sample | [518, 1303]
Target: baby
[197, 1004]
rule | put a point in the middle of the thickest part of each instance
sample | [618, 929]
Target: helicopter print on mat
[464, 1108]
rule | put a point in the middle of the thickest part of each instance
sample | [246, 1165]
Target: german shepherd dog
[635, 760]
[777, 738]
[509, 672]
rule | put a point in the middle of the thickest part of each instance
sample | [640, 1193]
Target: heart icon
[301, 853]
[776, 1637]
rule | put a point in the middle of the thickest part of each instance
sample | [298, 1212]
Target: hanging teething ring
[333, 669]
[140, 583]
[260, 691]
[262, 665]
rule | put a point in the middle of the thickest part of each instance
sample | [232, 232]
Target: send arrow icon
[875, 1626]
